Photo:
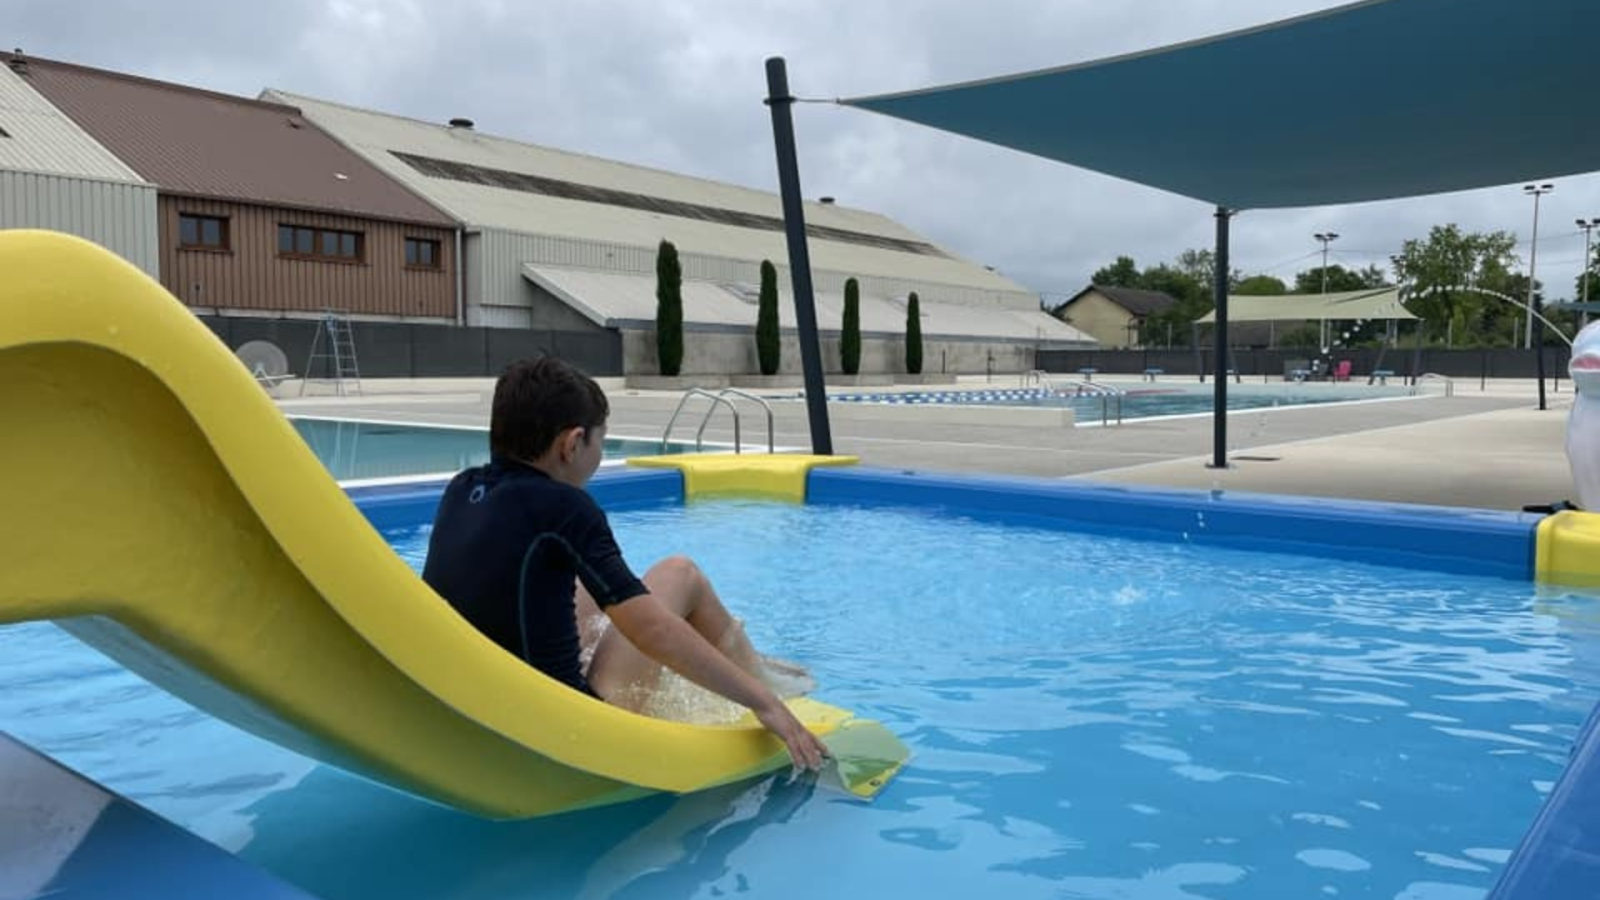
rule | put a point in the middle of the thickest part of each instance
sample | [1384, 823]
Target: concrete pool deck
[1487, 446]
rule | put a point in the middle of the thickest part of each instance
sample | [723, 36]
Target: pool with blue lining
[1558, 857]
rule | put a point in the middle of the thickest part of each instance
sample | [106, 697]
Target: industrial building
[453, 250]
[559, 240]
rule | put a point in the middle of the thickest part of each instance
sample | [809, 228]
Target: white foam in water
[681, 700]
[1128, 595]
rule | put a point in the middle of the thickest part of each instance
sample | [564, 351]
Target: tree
[1201, 265]
[769, 349]
[913, 335]
[1591, 273]
[1373, 277]
[850, 333]
[1122, 273]
[1193, 301]
[1339, 279]
[1261, 286]
[669, 309]
[1449, 258]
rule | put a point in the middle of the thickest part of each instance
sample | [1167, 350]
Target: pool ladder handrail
[1036, 376]
[1449, 384]
[718, 398]
[1107, 393]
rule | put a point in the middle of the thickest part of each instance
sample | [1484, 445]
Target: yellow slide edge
[780, 476]
[1567, 549]
[161, 507]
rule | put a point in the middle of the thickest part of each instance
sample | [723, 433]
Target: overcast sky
[678, 85]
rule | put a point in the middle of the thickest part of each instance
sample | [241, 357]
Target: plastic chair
[1341, 372]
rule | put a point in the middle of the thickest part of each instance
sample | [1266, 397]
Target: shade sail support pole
[794, 226]
[1219, 384]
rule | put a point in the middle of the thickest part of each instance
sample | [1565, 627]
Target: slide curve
[160, 508]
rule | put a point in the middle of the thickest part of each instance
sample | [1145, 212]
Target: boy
[513, 539]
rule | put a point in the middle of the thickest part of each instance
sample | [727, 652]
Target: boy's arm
[669, 640]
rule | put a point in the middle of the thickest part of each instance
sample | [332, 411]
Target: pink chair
[1341, 372]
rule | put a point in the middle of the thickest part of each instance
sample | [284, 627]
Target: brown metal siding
[201, 143]
[251, 275]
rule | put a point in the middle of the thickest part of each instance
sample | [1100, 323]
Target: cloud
[679, 86]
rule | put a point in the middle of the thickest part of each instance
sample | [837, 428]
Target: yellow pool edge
[771, 475]
[1567, 549]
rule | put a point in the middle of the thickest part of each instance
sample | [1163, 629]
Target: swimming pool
[354, 449]
[1142, 400]
[1094, 715]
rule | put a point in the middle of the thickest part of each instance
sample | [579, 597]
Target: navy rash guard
[507, 543]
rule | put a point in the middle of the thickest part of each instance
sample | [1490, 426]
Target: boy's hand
[807, 751]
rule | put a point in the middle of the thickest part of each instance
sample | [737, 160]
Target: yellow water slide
[158, 506]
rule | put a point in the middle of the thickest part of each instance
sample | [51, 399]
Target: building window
[202, 232]
[299, 242]
[422, 254]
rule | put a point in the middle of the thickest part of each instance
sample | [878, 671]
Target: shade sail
[1379, 304]
[1374, 100]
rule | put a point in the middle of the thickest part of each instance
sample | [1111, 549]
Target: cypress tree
[850, 334]
[913, 336]
[769, 350]
[669, 309]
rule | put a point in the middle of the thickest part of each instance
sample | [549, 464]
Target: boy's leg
[620, 673]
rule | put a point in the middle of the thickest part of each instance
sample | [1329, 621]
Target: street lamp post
[1536, 191]
[1326, 237]
[1587, 225]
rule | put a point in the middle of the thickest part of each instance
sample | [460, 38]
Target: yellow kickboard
[780, 476]
[159, 507]
[1567, 549]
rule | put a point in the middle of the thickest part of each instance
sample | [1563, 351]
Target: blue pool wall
[1464, 541]
[103, 846]
[1437, 538]
[1559, 857]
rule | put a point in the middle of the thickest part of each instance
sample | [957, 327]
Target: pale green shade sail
[1380, 304]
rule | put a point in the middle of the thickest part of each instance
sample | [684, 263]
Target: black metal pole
[1219, 414]
[1416, 354]
[1199, 355]
[1538, 346]
[794, 226]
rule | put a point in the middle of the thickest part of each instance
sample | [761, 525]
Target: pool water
[1142, 400]
[1091, 717]
[354, 449]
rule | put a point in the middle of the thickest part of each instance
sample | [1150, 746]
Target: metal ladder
[720, 398]
[1105, 392]
[339, 352]
[1430, 377]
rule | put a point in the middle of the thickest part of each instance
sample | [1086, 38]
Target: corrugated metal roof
[39, 138]
[190, 141]
[610, 299]
[380, 137]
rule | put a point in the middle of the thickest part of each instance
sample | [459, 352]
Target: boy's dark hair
[537, 399]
